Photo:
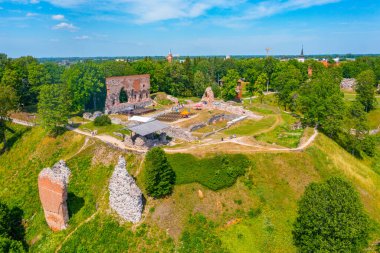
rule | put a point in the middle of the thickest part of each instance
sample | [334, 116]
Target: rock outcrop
[208, 96]
[125, 196]
[52, 186]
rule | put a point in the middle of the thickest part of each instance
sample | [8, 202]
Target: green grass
[263, 201]
[109, 130]
[88, 190]
[216, 172]
[251, 127]
[374, 118]
[283, 135]
[212, 127]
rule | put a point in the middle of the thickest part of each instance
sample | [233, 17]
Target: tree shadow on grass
[15, 137]
[17, 231]
[74, 203]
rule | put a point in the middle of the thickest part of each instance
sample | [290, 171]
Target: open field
[109, 129]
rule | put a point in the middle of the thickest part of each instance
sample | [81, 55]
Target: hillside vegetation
[253, 214]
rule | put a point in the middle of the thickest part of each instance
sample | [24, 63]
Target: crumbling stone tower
[52, 186]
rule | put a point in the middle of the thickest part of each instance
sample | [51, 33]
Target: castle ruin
[136, 90]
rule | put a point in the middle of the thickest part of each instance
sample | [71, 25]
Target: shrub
[159, 177]
[217, 172]
[331, 219]
[103, 120]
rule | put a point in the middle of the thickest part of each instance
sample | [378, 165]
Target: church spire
[302, 51]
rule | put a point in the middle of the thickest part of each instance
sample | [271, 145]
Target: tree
[159, 177]
[85, 82]
[365, 87]
[53, 107]
[251, 75]
[287, 82]
[331, 218]
[16, 75]
[229, 84]
[8, 102]
[200, 83]
[322, 103]
[354, 135]
[11, 230]
[259, 86]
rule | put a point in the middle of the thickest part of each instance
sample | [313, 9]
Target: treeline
[85, 81]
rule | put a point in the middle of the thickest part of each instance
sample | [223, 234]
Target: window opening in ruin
[123, 97]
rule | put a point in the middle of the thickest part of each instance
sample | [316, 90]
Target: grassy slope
[279, 180]
[19, 170]
[254, 215]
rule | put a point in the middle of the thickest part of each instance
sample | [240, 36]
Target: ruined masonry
[125, 195]
[52, 186]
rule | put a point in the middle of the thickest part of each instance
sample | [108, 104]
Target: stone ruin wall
[52, 187]
[125, 197]
[137, 89]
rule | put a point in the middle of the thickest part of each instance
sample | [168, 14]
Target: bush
[331, 219]
[218, 172]
[103, 120]
[159, 177]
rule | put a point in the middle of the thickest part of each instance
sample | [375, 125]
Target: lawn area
[216, 172]
[212, 127]
[374, 118]
[251, 127]
[109, 130]
[283, 135]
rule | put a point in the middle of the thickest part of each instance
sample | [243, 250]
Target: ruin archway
[123, 96]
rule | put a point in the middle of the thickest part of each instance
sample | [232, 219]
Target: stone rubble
[348, 83]
[125, 196]
[52, 186]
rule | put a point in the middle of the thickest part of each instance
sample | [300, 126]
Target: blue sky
[195, 27]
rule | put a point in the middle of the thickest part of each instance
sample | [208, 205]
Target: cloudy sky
[195, 27]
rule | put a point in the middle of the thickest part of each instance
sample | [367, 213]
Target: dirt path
[252, 147]
[107, 139]
[239, 141]
[72, 232]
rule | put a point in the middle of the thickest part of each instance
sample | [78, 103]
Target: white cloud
[273, 7]
[31, 14]
[83, 37]
[150, 11]
[65, 26]
[34, 1]
[67, 3]
[155, 10]
[58, 17]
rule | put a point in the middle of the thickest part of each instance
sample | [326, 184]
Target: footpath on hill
[204, 146]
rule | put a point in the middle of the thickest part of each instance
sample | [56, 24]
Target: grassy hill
[255, 214]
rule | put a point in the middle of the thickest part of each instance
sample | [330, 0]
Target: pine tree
[159, 177]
